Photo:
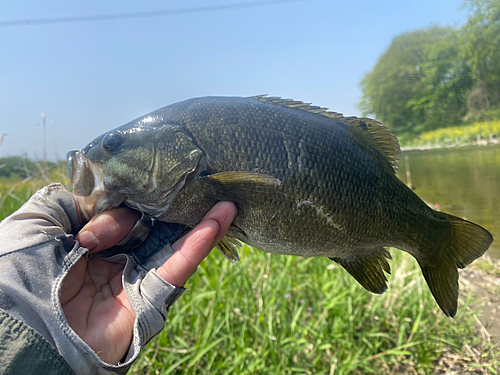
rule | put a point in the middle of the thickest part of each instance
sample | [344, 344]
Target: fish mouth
[87, 178]
[80, 173]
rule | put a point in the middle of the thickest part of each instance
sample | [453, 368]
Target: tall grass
[15, 191]
[273, 314]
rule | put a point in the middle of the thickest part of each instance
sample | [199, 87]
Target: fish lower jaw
[98, 202]
[150, 210]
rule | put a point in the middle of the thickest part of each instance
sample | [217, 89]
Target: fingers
[195, 246]
[107, 229]
[110, 227]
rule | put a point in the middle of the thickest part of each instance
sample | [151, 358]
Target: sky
[90, 77]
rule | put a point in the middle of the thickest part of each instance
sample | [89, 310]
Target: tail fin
[461, 245]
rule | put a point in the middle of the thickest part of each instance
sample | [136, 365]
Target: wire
[121, 16]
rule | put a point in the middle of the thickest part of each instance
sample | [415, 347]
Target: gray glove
[37, 250]
[149, 295]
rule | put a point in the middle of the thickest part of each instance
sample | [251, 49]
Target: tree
[438, 76]
[441, 97]
[17, 166]
[397, 78]
[480, 47]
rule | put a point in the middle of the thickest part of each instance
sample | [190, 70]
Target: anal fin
[227, 247]
[369, 270]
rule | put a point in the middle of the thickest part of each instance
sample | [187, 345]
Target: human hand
[92, 297]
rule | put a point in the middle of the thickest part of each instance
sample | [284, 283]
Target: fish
[306, 181]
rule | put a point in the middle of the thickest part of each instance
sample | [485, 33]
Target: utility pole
[44, 137]
[2, 136]
[55, 140]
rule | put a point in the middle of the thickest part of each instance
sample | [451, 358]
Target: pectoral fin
[227, 247]
[369, 270]
[238, 187]
[243, 186]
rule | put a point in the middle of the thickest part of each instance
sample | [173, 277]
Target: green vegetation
[272, 314]
[488, 131]
[438, 77]
[491, 268]
[20, 178]
[17, 167]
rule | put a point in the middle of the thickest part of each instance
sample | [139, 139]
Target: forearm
[34, 250]
[37, 252]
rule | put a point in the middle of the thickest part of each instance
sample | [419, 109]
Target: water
[463, 181]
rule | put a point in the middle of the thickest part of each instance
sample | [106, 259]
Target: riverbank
[478, 142]
[482, 279]
[480, 133]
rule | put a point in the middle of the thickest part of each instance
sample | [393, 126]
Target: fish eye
[111, 142]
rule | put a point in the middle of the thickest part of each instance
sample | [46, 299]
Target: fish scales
[306, 182]
[319, 150]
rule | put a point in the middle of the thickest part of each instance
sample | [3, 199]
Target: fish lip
[81, 173]
[87, 178]
[70, 156]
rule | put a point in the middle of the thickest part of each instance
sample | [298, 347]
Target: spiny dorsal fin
[290, 103]
[384, 139]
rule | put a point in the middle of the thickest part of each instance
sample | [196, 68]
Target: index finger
[197, 244]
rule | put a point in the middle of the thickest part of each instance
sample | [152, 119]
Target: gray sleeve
[35, 254]
[19, 342]
[37, 250]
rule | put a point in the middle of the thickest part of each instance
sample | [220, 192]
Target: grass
[273, 314]
[489, 267]
[15, 191]
[457, 135]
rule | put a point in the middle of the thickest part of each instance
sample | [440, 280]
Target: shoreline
[480, 142]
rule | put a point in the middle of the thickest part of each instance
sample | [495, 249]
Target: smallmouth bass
[306, 182]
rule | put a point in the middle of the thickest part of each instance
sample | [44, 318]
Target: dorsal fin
[381, 135]
[384, 139]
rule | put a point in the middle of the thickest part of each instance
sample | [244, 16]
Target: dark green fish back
[385, 140]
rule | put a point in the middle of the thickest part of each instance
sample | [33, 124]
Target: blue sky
[89, 77]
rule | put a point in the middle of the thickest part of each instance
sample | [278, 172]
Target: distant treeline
[438, 76]
[19, 167]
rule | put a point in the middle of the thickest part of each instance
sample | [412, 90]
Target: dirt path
[482, 278]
